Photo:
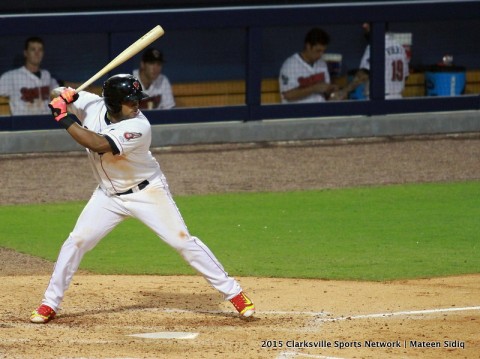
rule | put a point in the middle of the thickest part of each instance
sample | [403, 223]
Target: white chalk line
[315, 315]
[396, 314]
[288, 355]
[166, 335]
[297, 354]
[68, 341]
[266, 312]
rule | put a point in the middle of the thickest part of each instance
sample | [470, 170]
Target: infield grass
[373, 233]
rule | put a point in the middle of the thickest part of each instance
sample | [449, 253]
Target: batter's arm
[85, 137]
[89, 139]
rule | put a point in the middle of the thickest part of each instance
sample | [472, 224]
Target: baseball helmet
[121, 88]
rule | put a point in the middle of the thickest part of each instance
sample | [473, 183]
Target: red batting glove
[69, 95]
[59, 108]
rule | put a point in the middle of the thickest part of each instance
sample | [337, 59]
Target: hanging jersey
[396, 67]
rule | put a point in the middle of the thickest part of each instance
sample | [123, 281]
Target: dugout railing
[253, 21]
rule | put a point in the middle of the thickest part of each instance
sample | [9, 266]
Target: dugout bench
[232, 92]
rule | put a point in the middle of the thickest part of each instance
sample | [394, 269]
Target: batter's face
[34, 53]
[313, 53]
[151, 70]
[129, 110]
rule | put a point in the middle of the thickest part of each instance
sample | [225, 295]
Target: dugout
[223, 61]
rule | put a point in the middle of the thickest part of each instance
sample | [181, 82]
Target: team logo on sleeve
[131, 135]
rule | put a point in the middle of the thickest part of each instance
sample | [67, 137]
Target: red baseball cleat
[43, 314]
[243, 305]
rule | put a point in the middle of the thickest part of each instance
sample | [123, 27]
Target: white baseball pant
[155, 207]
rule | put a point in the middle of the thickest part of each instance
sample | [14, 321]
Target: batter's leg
[98, 218]
[155, 207]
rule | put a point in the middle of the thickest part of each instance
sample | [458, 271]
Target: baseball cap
[152, 55]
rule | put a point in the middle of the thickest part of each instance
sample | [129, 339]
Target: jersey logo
[311, 80]
[31, 94]
[131, 135]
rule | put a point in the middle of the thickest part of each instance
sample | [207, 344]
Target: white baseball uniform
[396, 67]
[128, 169]
[159, 92]
[28, 94]
[295, 72]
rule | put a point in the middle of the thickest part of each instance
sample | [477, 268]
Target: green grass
[375, 233]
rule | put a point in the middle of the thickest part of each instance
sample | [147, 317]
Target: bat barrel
[127, 54]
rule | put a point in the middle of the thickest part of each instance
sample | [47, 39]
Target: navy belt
[140, 186]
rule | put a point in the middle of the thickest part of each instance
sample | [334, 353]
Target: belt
[137, 188]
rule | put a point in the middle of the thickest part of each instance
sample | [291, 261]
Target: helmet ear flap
[113, 107]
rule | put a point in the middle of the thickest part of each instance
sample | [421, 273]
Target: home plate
[166, 335]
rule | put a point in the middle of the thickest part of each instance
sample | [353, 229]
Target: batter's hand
[69, 95]
[59, 108]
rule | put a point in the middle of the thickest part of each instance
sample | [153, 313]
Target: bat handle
[84, 85]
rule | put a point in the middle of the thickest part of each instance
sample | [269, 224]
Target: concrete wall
[257, 131]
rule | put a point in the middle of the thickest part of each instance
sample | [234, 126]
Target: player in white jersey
[155, 84]
[396, 69]
[117, 138]
[28, 87]
[304, 76]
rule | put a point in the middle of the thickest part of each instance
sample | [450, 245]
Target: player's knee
[180, 242]
[80, 242]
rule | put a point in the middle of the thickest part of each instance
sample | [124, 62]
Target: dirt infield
[426, 318]
[100, 312]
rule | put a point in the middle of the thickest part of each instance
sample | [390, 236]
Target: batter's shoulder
[143, 122]
[86, 102]
[139, 123]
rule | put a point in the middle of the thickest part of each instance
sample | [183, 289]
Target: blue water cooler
[445, 80]
[361, 91]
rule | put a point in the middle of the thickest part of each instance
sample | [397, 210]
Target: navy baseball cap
[152, 55]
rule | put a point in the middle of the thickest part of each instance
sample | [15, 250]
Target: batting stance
[117, 138]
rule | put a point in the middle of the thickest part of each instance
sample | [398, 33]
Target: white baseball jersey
[131, 165]
[396, 67]
[159, 92]
[295, 72]
[28, 94]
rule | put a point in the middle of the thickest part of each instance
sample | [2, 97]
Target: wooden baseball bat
[129, 52]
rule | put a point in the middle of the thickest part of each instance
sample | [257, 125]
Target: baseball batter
[28, 87]
[117, 138]
[304, 76]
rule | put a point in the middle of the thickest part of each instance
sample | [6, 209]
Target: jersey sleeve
[6, 85]
[78, 108]
[288, 77]
[365, 61]
[130, 135]
[167, 95]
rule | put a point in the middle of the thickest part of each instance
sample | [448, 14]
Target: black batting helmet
[120, 88]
